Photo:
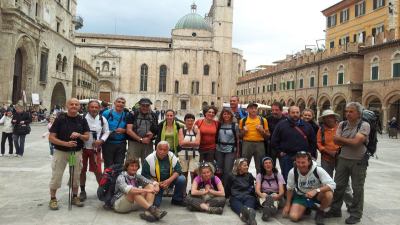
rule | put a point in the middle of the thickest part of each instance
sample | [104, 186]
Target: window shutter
[355, 38]
[356, 10]
[373, 31]
[364, 35]
[375, 3]
[340, 42]
[347, 39]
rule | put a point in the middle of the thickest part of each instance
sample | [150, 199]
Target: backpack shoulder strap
[344, 124]
[233, 127]
[244, 121]
[261, 121]
[323, 134]
[276, 179]
[316, 172]
[213, 183]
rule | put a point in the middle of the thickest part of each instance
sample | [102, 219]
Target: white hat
[328, 112]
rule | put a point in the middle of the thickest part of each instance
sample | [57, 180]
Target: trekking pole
[71, 162]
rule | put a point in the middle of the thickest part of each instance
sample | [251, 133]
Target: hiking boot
[319, 218]
[147, 216]
[252, 217]
[352, 220]
[77, 202]
[53, 204]
[215, 210]
[82, 196]
[178, 203]
[248, 216]
[333, 213]
[156, 212]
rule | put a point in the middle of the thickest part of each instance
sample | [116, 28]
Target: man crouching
[308, 185]
[132, 191]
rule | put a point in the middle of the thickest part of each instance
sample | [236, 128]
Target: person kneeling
[207, 194]
[307, 186]
[241, 191]
[269, 188]
[132, 191]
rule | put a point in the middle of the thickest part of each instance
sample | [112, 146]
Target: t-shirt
[169, 137]
[269, 184]
[207, 134]
[226, 135]
[350, 131]
[252, 134]
[64, 126]
[199, 180]
[115, 120]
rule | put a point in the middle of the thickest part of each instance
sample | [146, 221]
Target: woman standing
[227, 143]
[7, 132]
[168, 131]
[208, 129]
[308, 116]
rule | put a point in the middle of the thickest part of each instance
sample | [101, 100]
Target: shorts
[304, 201]
[122, 205]
[189, 165]
[94, 160]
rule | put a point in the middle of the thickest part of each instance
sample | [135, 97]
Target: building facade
[37, 50]
[85, 80]
[196, 66]
[363, 68]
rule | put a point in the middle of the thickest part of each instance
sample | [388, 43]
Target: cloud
[265, 30]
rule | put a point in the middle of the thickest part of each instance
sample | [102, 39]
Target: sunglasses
[302, 153]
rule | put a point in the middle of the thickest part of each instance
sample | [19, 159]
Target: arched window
[144, 70]
[206, 69]
[163, 79]
[185, 69]
[64, 64]
[229, 3]
[375, 68]
[58, 63]
[106, 66]
[396, 65]
[340, 75]
[176, 89]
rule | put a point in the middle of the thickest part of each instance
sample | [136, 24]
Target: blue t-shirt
[115, 120]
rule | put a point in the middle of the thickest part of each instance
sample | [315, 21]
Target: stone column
[318, 112]
[384, 119]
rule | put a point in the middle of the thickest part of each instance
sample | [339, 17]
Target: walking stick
[71, 162]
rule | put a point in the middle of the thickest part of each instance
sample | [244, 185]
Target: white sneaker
[1, 155]
[16, 155]
[50, 157]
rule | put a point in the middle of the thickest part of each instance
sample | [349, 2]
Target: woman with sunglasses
[269, 188]
[208, 129]
[242, 199]
[207, 193]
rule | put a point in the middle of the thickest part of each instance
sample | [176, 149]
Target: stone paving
[24, 194]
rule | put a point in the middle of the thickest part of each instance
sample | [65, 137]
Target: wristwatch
[318, 190]
[140, 140]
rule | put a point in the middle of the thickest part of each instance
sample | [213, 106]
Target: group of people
[215, 154]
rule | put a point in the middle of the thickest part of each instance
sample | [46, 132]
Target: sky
[266, 30]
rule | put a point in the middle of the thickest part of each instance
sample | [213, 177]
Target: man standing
[254, 130]
[141, 128]
[308, 184]
[163, 166]
[115, 147]
[99, 132]
[273, 120]
[21, 121]
[352, 135]
[237, 112]
[67, 133]
[291, 136]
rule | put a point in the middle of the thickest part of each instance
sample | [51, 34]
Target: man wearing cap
[253, 130]
[141, 128]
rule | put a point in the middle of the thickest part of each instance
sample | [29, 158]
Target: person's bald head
[73, 106]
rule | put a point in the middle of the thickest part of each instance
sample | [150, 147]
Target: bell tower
[222, 20]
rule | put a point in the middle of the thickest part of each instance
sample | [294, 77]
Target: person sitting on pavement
[207, 193]
[68, 133]
[241, 193]
[168, 131]
[133, 190]
[307, 185]
[164, 167]
[91, 155]
[269, 188]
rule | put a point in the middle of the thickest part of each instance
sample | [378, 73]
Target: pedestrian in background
[6, 119]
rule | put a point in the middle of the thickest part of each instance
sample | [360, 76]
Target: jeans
[19, 143]
[238, 202]
[286, 163]
[180, 184]
[225, 164]
[113, 153]
[4, 137]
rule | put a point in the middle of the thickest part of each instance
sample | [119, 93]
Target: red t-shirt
[207, 134]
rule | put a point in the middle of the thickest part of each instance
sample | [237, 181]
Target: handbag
[22, 129]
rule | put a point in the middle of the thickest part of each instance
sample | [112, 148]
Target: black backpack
[296, 177]
[369, 117]
[261, 121]
[106, 189]
[202, 184]
[153, 119]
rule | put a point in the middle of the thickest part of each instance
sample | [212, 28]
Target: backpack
[202, 185]
[153, 119]
[106, 189]
[369, 117]
[296, 177]
[233, 126]
[261, 121]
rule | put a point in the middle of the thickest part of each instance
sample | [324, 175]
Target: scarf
[175, 130]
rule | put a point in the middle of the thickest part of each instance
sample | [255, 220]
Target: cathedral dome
[193, 21]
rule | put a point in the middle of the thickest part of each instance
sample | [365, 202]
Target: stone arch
[370, 97]
[290, 102]
[339, 103]
[157, 104]
[392, 103]
[58, 96]
[23, 68]
[301, 104]
[282, 101]
[165, 105]
[324, 102]
[106, 89]
[105, 66]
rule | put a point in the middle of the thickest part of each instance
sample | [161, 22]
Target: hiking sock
[83, 188]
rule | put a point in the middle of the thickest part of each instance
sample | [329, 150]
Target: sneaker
[332, 214]
[215, 210]
[15, 155]
[178, 203]
[352, 220]
[53, 204]
[319, 218]
[77, 202]
[147, 216]
[156, 212]
[82, 196]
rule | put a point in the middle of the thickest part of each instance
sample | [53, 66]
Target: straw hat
[328, 112]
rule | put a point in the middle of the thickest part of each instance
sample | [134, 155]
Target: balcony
[78, 21]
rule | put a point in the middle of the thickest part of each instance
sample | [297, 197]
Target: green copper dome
[192, 21]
